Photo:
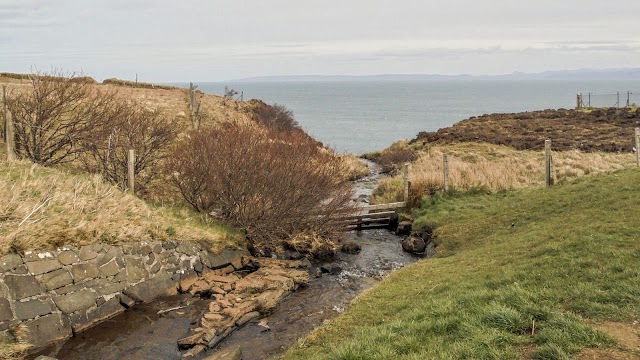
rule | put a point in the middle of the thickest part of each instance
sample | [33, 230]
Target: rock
[94, 316]
[68, 257]
[197, 266]
[325, 253]
[56, 279]
[148, 290]
[404, 228]
[185, 284]
[351, 247]
[43, 266]
[29, 309]
[234, 353]
[292, 255]
[126, 301]
[414, 244]
[109, 269]
[69, 289]
[110, 289]
[188, 248]
[194, 351]
[224, 258]
[224, 271]
[75, 301]
[42, 357]
[146, 249]
[315, 272]
[10, 262]
[112, 252]
[228, 279]
[22, 286]
[46, 330]
[199, 287]
[5, 310]
[82, 272]
[332, 269]
[86, 253]
[189, 341]
[135, 271]
[247, 317]
[169, 245]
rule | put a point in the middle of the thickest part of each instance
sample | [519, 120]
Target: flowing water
[141, 333]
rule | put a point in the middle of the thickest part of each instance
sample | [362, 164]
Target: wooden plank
[370, 215]
[396, 205]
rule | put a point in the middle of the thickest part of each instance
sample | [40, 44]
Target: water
[362, 116]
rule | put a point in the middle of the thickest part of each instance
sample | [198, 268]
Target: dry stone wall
[55, 294]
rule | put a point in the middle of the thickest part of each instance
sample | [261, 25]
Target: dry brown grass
[495, 168]
[355, 168]
[46, 208]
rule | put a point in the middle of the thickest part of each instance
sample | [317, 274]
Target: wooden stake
[405, 175]
[637, 139]
[548, 165]
[4, 112]
[11, 153]
[445, 165]
[131, 167]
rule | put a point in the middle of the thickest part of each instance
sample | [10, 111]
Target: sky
[211, 40]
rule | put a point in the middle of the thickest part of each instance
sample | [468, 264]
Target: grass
[45, 208]
[563, 259]
[495, 168]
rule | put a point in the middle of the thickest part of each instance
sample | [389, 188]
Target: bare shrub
[126, 126]
[276, 117]
[392, 159]
[52, 119]
[273, 186]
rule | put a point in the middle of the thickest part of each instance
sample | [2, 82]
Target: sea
[359, 116]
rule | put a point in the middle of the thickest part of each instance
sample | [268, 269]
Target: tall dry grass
[495, 168]
[43, 208]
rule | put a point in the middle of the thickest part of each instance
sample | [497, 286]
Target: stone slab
[47, 329]
[94, 316]
[43, 266]
[80, 300]
[87, 253]
[10, 262]
[5, 310]
[29, 309]
[81, 272]
[68, 257]
[161, 284]
[109, 269]
[22, 286]
[56, 279]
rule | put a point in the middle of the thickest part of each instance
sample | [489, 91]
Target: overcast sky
[210, 40]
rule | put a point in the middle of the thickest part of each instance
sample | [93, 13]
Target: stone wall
[56, 294]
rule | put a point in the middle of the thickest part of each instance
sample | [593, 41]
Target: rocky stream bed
[259, 311]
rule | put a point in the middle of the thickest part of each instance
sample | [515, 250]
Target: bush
[126, 126]
[272, 185]
[276, 117]
[52, 120]
[392, 159]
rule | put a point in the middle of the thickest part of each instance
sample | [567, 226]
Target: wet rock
[22, 286]
[10, 262]
[247, 317]
[29, 309]
[325, 253]
[332, 269]
[414, 244]
[94, 316]
[315, 272]
[126, 301]
[404, 228]
[351, 247]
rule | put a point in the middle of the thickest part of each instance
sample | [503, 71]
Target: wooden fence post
[11, 153]
[445, 165]
[548, 163]
[131, 174]
[637, 139]
[405, 175]
[4, 112]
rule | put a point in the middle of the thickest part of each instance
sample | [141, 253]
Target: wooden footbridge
[376, 216]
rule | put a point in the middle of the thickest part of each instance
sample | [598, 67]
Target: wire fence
[605, 100]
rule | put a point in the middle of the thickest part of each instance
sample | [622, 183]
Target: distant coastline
[581, 74]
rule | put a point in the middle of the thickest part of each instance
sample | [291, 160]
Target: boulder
[351, 247]
[404, 228]
[414, 244]
[75, 301]
[161, 284]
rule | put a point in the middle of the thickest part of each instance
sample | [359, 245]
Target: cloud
[26, 14]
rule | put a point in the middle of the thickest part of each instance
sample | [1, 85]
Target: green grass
[565, 257]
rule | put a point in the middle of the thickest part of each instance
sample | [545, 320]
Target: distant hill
[582, 74]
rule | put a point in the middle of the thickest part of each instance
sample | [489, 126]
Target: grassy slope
[569, 262]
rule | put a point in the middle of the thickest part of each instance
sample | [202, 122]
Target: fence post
[548, 163]
[405, 176]
[131, 173]
[578, 101]
[445, 166]
[637, 140]
[11, 153]
[4, 112]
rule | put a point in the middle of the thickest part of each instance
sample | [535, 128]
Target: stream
[142, 333]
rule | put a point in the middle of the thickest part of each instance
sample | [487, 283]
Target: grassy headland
[532, 274]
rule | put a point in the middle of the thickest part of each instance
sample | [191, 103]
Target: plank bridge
[376, 216]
